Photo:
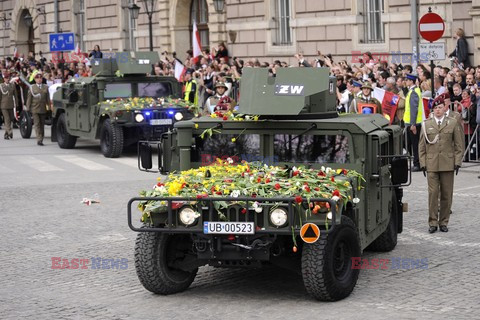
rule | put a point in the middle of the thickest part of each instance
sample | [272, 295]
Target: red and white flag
[179, 70]
[16, 54]
[389, 101]
[197, 47]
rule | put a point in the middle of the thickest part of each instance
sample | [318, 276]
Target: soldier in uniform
[38, 102]
[365, 97]
[8, 102]
[220, 101]
[440, 152]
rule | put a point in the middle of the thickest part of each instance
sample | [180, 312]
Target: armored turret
[125, 63]
[294, 93]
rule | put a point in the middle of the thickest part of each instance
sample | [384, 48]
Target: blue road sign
[62, 41]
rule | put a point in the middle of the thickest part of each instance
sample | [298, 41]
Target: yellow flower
[234, 139]
[226, 191]
[255, 118]
[339, 171]
[346, 184]
[196, 125]
[213, 115]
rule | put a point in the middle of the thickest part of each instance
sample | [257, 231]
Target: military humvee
[300, 126]
[119, 105]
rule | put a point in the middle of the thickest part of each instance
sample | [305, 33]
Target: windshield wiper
[313, 126]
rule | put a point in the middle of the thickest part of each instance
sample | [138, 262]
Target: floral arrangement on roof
[148, 102]
[228, 179]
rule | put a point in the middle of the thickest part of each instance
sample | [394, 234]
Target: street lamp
[133, 9]
[150, 8]
[219, 5]
[29, 20]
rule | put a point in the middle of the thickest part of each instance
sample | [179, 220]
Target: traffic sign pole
[431, 28]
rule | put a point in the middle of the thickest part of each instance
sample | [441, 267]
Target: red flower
[259, 180]
[244, 210]
[219, 193]
[199, 196]
[336, 193]
[268, 180]
[295, 173]
[345, 171]
[307, 189]
[332, 179]
[160, 184]
[254, 195]
[225, 118]
[183, 185]
[298, 199]
[316, 189]
[321, 174]
[277, 186]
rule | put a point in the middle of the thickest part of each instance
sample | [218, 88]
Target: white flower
[247, 117]
[229, 160]
[329, 215]
[257, 207]
[323, 168]
[235, 193]
[335, 198]
[294, 169]
[356, 200]
[328, 170]
[251, 178]
[161, 189]
[297, 184]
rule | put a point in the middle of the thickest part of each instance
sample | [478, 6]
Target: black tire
[64, 139]
[387, 241]
[25, 123]
[154, 255]
[111, 139]
[327, 264]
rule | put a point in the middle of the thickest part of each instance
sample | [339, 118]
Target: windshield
[244, 147]
[154, 89]
[311, 148]
[117, 90]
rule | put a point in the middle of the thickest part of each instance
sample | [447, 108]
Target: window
[283, 31]
[311, 148]
[117, 90]
[373, 28]
[154, 89]
[199, 13]
[246, 147]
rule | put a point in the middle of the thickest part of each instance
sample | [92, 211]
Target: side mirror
[144, 156]
[73, 96]
[399, 170]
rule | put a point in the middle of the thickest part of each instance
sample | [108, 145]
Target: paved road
[42, 217]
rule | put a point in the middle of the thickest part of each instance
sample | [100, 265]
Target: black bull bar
[172, 227]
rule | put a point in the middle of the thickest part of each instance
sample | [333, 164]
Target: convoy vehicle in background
[119, 105]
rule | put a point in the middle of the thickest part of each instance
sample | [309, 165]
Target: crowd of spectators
[460, 80]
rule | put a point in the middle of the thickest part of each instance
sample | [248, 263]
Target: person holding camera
[440, 151]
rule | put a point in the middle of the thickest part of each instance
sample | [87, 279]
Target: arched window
[199, 13]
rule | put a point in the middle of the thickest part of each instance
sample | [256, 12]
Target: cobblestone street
[43, 217]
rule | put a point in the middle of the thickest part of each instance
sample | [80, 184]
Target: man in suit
[38, 102]
[440, 151]
[7, 98]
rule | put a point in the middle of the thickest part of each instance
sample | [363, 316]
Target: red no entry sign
[431, 27]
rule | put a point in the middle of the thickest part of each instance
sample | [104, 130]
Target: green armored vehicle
[286, 181]
[120, 105]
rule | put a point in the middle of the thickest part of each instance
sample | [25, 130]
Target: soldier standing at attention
[38, 102]
[440, 150]
[413, 117]
[7, 104]
[365, 96]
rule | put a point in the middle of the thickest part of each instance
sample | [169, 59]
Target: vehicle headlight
[278, 217]
[139, 117]
[188, 216]
[178, 116]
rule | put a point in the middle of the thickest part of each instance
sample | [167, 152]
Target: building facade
[267, 30]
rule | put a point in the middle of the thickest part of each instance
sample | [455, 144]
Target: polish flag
[389, 102]
[197, 48]
[179, 70]
[15, 53]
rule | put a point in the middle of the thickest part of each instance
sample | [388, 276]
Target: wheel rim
[23, 123]
[341, 260]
